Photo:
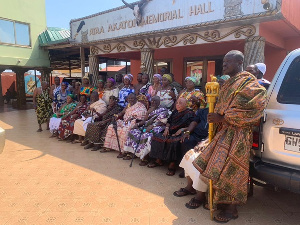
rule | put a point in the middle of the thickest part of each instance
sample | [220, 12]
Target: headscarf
[112, 80]
[158, 76]
[129, 77]
[86, 77]
[168, 76]
[194, 79]
[224, 77]
[101, 81]
[72, 96]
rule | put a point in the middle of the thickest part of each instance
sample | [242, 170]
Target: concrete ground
[44, 181]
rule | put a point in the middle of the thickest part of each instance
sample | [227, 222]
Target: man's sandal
[183, 192]
[171, 172]
[194, 203]
[225, 217]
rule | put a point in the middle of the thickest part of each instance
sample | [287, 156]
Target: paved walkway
[44, 181]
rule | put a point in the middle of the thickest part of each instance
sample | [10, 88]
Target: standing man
[55, 87]
[226, 159]
[42, 105]
[119, 81]
[262, 68]
[140, 84]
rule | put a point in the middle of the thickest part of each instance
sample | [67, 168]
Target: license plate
[292, 143]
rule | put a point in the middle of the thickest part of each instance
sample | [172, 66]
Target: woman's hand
[186, 135]
[166, 132]
[178, 132]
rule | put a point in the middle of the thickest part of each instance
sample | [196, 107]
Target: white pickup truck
[276, 146]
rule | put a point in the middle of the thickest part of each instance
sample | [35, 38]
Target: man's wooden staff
[212, 92]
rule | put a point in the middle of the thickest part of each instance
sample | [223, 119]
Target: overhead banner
[151, 16]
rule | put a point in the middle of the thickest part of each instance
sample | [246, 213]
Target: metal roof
[54, 35]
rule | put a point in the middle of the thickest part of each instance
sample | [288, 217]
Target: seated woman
[63, 112]
[140, 137]
[134, 112]
[126, 90]
[60, 96]
[66, 125]
[95, 132]
[95, 110]
[167, 146]
[195, 98]
[85, 88]
[100, 88]
[167, 94]
[110, 90]
[156, 86]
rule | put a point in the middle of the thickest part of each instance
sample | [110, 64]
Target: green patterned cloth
[43, 107]
[226, 159]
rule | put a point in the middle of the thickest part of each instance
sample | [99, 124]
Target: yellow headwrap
[168, 76]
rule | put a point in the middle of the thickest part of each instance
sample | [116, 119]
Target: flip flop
[225, 217]
[39, 130]
[197, 203]
[184, 191]
[171, 172]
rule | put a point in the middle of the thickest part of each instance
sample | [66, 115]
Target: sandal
[96, 148]
[194, 203]
[225, 217]
[121, 155]
[39, 130]
[183, 192]
[90, 145]
[128, 157]
[105, 150]
[84, 143]
[171, 172]
[154, 164]
[144, 162]
[76, 141]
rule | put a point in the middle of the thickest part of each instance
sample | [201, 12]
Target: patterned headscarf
[129, 77]
[111, 80]
[193, 79]
[168, 76]
[158, 76]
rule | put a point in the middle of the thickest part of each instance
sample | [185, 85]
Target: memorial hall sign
[159, 16]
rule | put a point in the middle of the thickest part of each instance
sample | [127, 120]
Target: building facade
[21, 22]
[190, 37]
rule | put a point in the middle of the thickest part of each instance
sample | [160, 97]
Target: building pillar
[82, 61]
[94, 68]
[254, 50]
[1, 96]
[45, 74]
[147, 61]
[21, 95]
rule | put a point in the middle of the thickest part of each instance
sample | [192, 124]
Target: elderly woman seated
[95, 132]
[93, 112]
[66, 125]
[140, 137]
[62, 113]
[166, 146]
[133, 113]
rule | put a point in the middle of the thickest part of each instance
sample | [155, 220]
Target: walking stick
[114, 123]
[212, 92]
[138, 143]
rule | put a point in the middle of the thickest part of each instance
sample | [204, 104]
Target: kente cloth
[169, 148]
[43, 107]
[101, 93]
[188, 96]
[165, 98]
[139, 141]
[226, 159]
[55, 120]
[136, 112]
[81, 124]
[95, 132]
[66, 125]
[124, 92]
[86, 91]
[60, 98]
[190, 171]
[200, 132]
[107, 93]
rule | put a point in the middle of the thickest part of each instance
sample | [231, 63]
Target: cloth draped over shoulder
[226, 159]
[135, 112]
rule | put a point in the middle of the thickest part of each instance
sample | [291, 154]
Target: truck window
[289, 92]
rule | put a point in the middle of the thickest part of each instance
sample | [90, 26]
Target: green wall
[34, 13]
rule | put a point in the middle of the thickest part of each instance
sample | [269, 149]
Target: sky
[60, 12]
